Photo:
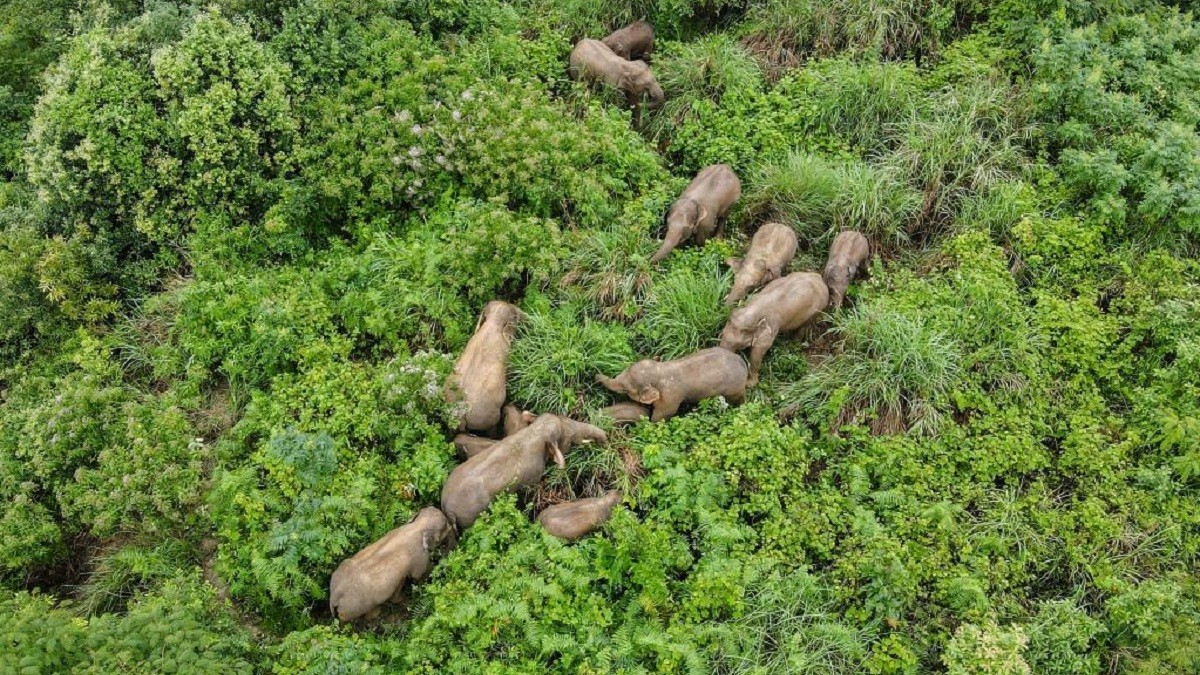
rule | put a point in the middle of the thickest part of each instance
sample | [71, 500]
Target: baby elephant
[626, 413]
[573, 520]
[701, 208]
[771, 249]
[633, 42]
[515, 420]
[517, 462]
[361, 584]
[847, 253]
[784, 305]
[593, 61]
[666, 385]
[479, 377]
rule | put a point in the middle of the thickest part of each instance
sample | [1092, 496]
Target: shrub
[699, 71]
[285, 520]
[985, 650]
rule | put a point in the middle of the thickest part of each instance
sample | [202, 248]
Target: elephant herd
[507, 449]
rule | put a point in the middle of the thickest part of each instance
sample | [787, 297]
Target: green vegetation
[242, 244]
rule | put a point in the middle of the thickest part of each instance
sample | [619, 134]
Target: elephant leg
[762, 342]
[665, 407]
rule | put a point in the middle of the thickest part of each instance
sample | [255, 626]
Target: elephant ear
[735, 264]
[701, 213]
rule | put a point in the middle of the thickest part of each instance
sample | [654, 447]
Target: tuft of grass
[556, 355]
[819, 197]
[968, 140]
[786, 30]
[693, 72]
[893, 372]
[122, 573]
[789, 626]
[610, 270]
[862, 99]
[684, 310]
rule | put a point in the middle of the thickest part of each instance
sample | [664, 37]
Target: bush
[985, 650]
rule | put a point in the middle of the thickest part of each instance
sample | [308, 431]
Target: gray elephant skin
[846, 256]
[480, 376]
[666, 385]
[699, 212]
[515, 420]
[634, 42]
[784, 305]
[592, 61]
[576, 519]
[626, 413]
[515, 463]
[364, 582]
[771, 249]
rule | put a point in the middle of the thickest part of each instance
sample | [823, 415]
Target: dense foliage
[242, 243]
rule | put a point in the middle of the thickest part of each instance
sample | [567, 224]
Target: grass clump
[893, 370]
[684, 310]
[556, 355]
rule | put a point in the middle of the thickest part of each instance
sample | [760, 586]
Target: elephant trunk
[673, 238]
[736, 293]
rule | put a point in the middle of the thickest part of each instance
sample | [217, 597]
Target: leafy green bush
[286, 519]
[1123, 138]
[987, 649]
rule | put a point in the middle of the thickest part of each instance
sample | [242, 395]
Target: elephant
[771, 249]
[576, 519]
[699, 212]
[783, 305]
[515, 420]
[479, 377]
[634, 42]
[626, 413]
[364, 582]
[666, 385]
[847, 253]
[593, 61]
[515, 463]
[470, 445]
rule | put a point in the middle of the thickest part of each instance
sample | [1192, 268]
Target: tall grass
[556, 355]
[789, 627]
[703, 70]
[894, 371]
[609, 269]
[819, 196]
[862, 99]
[684, 310]
[967, 140]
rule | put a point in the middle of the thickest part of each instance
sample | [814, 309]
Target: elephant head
[638, 382]
[639, 83]
[736, 336]
[503, 313]
[837, 278]
[562, 433]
